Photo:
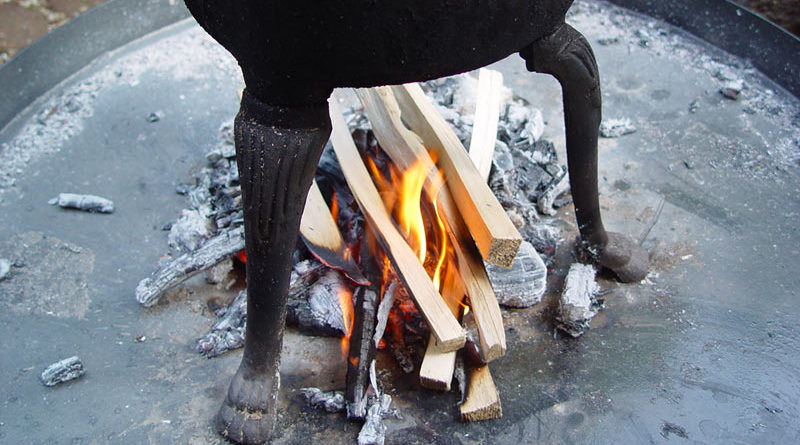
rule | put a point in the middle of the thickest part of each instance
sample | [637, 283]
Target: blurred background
[23, 21]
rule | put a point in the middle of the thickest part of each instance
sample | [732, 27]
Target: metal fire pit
[704, 348]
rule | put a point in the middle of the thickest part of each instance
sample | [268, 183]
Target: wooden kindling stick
[405, 149]
[443, 324]
[494, 233]
[322, 237]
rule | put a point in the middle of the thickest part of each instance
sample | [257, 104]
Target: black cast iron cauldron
[293, 54]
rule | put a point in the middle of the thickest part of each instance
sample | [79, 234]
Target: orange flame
[346, 303]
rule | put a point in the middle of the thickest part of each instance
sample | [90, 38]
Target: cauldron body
[298, 51]
[293, 54]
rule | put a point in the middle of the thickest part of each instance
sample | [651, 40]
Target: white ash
[373, 432]
[88, 203]
[614, 128]
[5, 268]
[218, 274]
[63, 371]
[190, 231]
[227, 332]
[578, 304]
[330, 401]
[524, 283]
[190, 55]
[547, 200]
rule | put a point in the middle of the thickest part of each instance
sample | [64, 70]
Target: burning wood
[494, 233]
[444, 326]
[406, 150]
[321, 235]
[362, 352]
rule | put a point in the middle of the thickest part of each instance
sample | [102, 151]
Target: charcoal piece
[460, 374]
[668, 428]
[330, 401]
[383, 311]
[190, 231]
[88, 203]
[614, 128]
[5, 268]
[63, 371]
[154, 117]
[524, 283]
[219, 248]
[578, 304]
[228, 331]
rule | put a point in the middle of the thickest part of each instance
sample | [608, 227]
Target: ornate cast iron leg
[566, 55]
[277, 149]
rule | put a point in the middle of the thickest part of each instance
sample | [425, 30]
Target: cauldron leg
[566, 55]
[277, 149]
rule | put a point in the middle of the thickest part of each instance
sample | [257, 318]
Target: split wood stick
[322, 237]
[484, 126]
[436, 370]
[405, 149]
[444, 326]
[483, 400]
[494, 233]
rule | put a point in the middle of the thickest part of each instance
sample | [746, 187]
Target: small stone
[63, 371]
[614, 128]
[5, 267]
[140, 339]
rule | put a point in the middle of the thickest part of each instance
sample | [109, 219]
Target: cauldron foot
[248, 414]
[566, 55]
[621, 255]
[277, 150]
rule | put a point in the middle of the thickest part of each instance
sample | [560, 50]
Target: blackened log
[362, 352]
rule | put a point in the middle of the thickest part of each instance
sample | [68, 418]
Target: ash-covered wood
[578, 304]
[362, 352]
[315, 310]
[215, 250]
[228, 331]
[330, 401]
[88, 203]
[524, 284]
[63, 371]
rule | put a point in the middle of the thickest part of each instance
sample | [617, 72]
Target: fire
[405, 195]
[346, 303]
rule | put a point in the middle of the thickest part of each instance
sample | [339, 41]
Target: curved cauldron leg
[277, 149]
[566, 55]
